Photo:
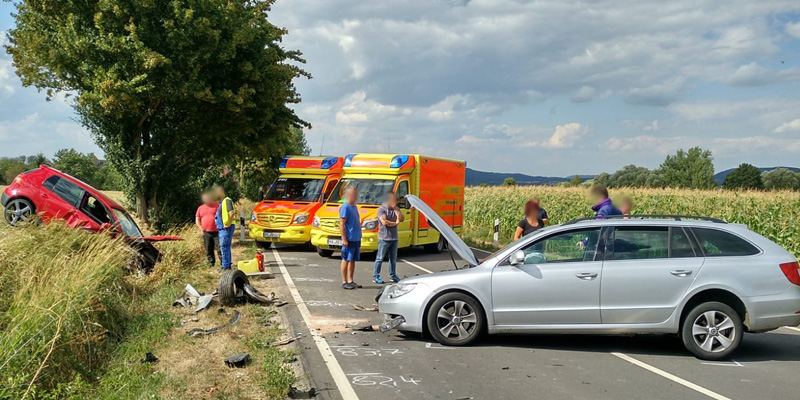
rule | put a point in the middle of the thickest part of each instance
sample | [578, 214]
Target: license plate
[271, 235]
[335, 242]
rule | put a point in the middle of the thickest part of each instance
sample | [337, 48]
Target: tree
[602, 179]
[630, 176]
[746, 176]
[79, 165]
[169, 89]
[781, 179]
[509, 182]
[260, 168]
[693, 169]
[107, 178]
[575, 181]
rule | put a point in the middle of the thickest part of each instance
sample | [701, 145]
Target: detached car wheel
[324, 252]
[19, 211]
[712, 331]
[231, 287]
[456, 319]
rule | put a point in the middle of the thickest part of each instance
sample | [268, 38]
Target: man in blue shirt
[350, 225]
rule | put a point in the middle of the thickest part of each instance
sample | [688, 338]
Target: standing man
[542, 212]
[205, 218]
[225, 220]
[389, 216]
[604, 207]
[350, 225]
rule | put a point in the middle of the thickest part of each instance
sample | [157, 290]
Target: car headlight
[370, 225]
[253, 217]
[300, 218]
[400, 289]
[315, 222]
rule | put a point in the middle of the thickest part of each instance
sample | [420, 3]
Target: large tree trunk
[141, 208]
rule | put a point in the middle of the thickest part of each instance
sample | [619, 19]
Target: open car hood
[158, 238]
[438, 223]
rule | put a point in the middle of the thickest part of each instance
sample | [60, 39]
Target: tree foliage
[509, 181]
[781, 179]
[630, 176]
[79, 165]
[10, 167]
[693, 169]
[746, 176]
[171, 90]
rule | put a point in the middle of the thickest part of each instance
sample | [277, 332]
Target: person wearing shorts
[350, 225]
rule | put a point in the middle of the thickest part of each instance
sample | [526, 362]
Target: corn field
[775, 215]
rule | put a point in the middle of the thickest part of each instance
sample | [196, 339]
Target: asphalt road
[373, 365]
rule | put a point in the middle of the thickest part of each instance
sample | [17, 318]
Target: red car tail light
[792, 272]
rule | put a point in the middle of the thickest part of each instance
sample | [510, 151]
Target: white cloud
[754, 74]
[584, 94]
[789, 126]
[566, 136]
[793, 29]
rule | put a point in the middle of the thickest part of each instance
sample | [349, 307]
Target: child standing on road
[350, 225]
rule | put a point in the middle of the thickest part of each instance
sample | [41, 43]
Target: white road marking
[792, 328]
[671, 377]
[339, 377]
[733, 363]
[416, 266]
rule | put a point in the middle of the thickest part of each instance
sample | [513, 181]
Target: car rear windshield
[296, 189]
[716, 243]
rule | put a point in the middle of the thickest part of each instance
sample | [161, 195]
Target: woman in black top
[531, 222]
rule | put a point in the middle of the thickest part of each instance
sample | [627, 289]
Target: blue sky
[551, 87]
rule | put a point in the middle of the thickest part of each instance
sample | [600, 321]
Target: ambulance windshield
[296, 189]
[370, 191]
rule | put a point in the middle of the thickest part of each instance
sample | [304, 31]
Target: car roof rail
[651, 216]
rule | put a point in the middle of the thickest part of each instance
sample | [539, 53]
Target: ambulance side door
[405, 229]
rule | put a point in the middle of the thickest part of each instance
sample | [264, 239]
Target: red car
[46, 193]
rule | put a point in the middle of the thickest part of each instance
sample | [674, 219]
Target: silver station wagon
[700, 278]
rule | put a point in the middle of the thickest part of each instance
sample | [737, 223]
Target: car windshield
[296, 189]
[370, 191]
[127, 224]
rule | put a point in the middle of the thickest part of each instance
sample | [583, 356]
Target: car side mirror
[517, 258]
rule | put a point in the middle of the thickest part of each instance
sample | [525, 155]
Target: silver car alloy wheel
[456, 318]
[713, 331]
[17, 211]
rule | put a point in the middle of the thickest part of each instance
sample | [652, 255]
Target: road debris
[237, 360]
[281, 303]
[257, 296]
[190, 290]
[202, 332]
[391, 324]
[203, 302]
[359, 307]
[295, 393]
[149, 358]
[284, 342]
[180, 301]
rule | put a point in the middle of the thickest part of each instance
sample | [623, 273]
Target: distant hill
[475, 178]
[719, 177]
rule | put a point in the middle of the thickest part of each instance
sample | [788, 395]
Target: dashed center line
[671, 377]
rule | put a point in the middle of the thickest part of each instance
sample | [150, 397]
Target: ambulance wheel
[324, 252]
[435, 248]
[264, 245]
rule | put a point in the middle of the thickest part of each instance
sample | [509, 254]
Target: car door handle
[586, 275]
[680, 272]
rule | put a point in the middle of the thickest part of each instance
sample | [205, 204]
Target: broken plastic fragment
[180, 301]
[255, 295]
[191, 291]
[203, 302]
[237, 360]
[200, 332]
[392, 324]
[359, 307]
